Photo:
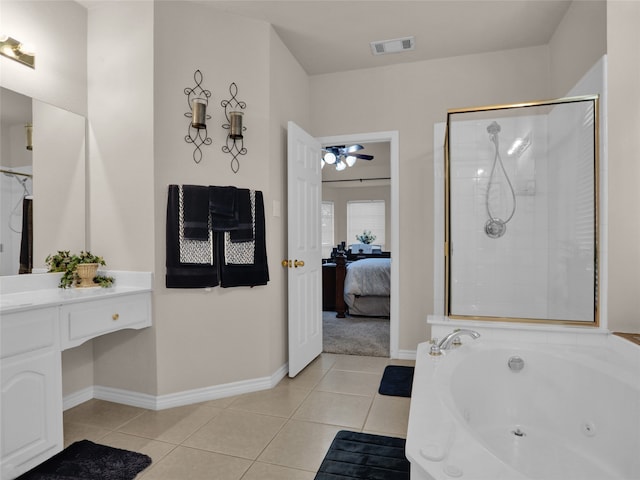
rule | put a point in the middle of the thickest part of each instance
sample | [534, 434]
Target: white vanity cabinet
[35, 327]
[31, 401]
[83, 321]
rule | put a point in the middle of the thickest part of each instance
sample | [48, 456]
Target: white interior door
[305, 254]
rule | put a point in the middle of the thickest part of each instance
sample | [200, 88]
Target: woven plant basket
[86, 272]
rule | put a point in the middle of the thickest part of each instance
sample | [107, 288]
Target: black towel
[248, 275]
[244, 233]
[183, 275]
[26, 240]
[195, 200]
[224, 212]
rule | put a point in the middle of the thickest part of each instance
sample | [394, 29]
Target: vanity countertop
[41, 290]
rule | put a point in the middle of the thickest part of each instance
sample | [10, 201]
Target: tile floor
[282, 433]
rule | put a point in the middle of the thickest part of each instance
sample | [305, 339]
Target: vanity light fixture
[18, 51]
[197, 101]
[235, 138]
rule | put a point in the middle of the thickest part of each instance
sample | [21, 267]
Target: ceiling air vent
[396, 45]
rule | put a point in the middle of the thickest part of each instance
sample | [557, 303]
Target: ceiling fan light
[330, 158]
[351, 160]
[341, 166]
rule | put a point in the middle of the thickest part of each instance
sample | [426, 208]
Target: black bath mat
[397, 381]
[85, 460]
[355, 455]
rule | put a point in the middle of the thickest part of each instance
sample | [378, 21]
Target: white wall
[59, 203]
[623, 86]
[289, 100]
[121, 122]
[578, 42]
[121, 172]
[219, 336]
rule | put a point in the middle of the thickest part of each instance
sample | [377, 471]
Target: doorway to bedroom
[357, 247]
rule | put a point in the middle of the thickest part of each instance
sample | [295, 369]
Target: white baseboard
[188, 397]
[76, 398]
[407, 354]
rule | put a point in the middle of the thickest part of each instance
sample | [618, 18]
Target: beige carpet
[355, 335]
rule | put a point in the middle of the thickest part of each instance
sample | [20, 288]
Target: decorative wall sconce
[28, 132]
[235, 138]
[15, 50]
[197, 100]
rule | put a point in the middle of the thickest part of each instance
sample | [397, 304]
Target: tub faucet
[452, 338]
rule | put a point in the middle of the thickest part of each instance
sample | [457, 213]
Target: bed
[367, 287]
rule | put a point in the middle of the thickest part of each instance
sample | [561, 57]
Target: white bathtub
[572, 413]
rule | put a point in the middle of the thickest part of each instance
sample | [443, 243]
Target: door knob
[286, 263]
[298, 263]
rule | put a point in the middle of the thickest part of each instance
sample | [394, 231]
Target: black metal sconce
[197, 100]
[235, 138]
[28, 133]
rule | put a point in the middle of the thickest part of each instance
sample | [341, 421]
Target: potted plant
[78, 270]
[366, 237]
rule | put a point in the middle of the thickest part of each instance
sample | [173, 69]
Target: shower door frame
[595, 322]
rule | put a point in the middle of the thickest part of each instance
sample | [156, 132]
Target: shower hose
[495, 227]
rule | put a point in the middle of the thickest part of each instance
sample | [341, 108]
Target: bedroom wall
[340, 196]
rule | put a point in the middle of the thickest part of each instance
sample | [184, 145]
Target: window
[326, 217]
[366, 215]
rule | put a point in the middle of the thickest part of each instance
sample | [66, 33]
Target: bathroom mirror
[51, 173]
[521, 212]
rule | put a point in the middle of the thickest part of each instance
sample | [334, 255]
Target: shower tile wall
[571, 223]
[506, 276]
[542, 267]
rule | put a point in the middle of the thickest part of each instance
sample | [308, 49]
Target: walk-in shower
[15, 215]
[495, 226]
[534, 167]
[16, 187]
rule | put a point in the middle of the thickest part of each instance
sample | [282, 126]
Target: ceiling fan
[343, 156]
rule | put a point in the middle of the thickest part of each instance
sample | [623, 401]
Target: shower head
[494, 128]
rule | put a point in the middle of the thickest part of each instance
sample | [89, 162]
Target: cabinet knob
[115, 316]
